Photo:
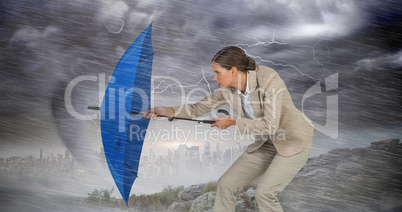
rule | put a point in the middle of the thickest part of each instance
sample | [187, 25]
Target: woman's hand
[154, 112]
[224, 122]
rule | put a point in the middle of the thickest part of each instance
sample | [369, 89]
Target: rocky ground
[363, 179]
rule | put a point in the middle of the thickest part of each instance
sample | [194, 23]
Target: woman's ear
[234, 70]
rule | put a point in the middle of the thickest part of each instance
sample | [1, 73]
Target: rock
[389, 142]
[240, 205]
[180, 206]
[362, 179]
[316, 173]
[339, 151]
[251, 193]
[246, 201]
[191, 192]
[204, 202]
[347, 169]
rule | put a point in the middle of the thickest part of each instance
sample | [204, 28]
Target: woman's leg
[278, 175]
[244, 170]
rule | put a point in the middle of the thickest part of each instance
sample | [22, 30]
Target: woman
[283, 135]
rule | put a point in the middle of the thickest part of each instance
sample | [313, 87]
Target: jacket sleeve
[207, 104]
[272, 102]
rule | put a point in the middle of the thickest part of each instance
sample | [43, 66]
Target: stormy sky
[45, 45]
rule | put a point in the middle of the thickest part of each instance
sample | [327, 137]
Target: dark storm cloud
[49, 43]
[203, 28]
[385, 61]
[45, 45]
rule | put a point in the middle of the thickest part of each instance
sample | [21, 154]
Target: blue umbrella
[122, 125]
[122, 131]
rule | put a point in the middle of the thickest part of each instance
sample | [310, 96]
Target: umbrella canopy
[123, 133]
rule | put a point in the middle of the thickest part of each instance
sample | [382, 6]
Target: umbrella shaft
[169, 117]
[172, 117]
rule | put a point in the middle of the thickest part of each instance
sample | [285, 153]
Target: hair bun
[232, 56]
[250, 64]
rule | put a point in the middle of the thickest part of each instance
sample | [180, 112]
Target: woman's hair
[233, 56]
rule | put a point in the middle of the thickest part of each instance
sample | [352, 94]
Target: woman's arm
[207, 104]
[267, 125]
[154, 112]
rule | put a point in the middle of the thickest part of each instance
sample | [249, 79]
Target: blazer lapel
[236, 103]
[255, 94]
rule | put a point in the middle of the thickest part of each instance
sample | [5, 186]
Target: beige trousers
[277, 173]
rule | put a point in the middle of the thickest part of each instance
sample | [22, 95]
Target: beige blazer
[276, 117]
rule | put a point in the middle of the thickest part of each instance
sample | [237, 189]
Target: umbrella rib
[133, 51]
[146, 57]
[131, 169]
[128, 55]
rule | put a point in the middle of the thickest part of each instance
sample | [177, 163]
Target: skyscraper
[194, 158]
[67, 154]
[228, 156]
[218, 152]
[182, 156]
[207, 156]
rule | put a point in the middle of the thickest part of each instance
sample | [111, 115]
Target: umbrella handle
[206, 121]
[224, 111]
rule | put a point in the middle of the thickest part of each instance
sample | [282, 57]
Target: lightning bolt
[272, 41]
[283, 42]
[164, 81]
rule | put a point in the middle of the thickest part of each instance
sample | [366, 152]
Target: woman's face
[222, 76]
